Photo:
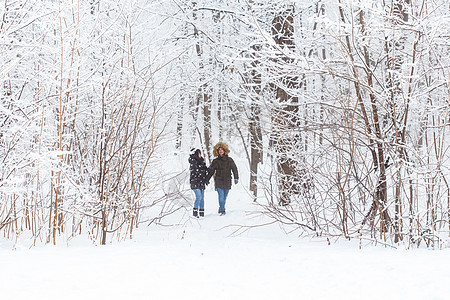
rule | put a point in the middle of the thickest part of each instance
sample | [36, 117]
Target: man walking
[221, 167]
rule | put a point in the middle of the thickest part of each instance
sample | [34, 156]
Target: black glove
[236, 180]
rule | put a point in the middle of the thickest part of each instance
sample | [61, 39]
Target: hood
[220, 145]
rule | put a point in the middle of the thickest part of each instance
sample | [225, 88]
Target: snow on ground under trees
[211, 258]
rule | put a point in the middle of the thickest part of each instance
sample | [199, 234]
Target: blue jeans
[223, 193]
[199, 198]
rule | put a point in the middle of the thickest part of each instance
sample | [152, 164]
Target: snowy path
[201, 261]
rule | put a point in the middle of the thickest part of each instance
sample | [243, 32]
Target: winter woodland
[339, 109]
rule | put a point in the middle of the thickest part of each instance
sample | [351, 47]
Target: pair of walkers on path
[221, 167]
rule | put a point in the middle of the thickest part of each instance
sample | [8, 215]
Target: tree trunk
[207, 121]
[395, 59]
[285, 119]
[254, 86]
[373, 128]
[203, 97]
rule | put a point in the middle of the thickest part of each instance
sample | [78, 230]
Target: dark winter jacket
[198, 171]
[221, 167]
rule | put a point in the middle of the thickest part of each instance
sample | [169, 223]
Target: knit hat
[194, 151]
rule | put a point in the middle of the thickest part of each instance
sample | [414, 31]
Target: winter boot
[195, 212]
[201, 212]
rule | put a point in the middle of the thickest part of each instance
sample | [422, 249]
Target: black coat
[221, 167]
[198, 170]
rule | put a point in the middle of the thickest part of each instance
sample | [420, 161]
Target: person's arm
[210, 171]
[235, 171]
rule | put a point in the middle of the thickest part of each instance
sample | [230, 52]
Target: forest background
[339, 108]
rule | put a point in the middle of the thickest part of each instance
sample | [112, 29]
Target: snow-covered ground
[208, 259]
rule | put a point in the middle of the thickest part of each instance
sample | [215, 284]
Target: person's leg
[197, 193]
[225, 195]
[202, 203]
[221, 194]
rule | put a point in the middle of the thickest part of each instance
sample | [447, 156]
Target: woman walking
[221, 167]
[197, 180]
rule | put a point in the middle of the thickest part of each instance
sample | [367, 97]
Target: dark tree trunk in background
[207, 121]
[394, 51]
[285, 118]
[203, 97]
[254, 81]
